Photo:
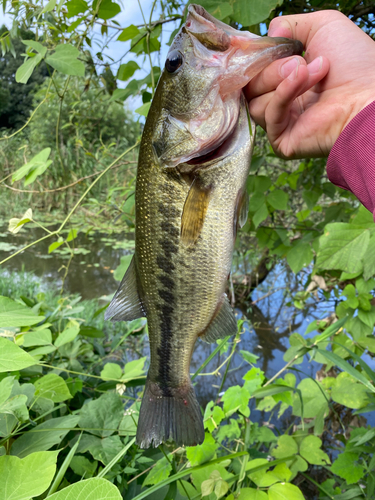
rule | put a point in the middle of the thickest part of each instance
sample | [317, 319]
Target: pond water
[271, 317]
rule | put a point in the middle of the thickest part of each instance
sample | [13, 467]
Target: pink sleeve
[351, 162]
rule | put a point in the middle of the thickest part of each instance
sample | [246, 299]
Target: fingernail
[315, 65]
[290, 69]
[278, 25]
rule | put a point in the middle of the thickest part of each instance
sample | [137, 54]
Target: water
[272, 316]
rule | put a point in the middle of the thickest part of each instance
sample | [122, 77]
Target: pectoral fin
[194, 213]
[241, 211]
[126, 305]
[223, 323]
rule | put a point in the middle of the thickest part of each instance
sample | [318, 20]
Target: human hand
[305, 103]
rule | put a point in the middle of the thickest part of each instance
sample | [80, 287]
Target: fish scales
[190, 200]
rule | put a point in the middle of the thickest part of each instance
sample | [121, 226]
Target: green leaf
[66, 336]
[252, 494]
[144, 109]
[122, 268]
[6, 386]
[220, 10]
[213, 415]
[50, 6]
[278, 199]
[348, 392]
[14, 314]
[228, 432]
[299, 256]
[236, 398]
[76, 7]
[310, 450]
[12, 357]
[102, 416]
[91, 331]
[128, 33]
[55, 244]
[134, 369]
[346, 467]
[36, 45]
[260, 215]
[286, 446]
[108, 9]
[24, 72]
[221, 488]
[127, 70]
[64, 60]
[285, 491]
[367, 317]
[52, 387]
[36, 166]
[22, 479]
[37, 337]
[82, 466]
[342, 247]
[250, 12]
[104, 450]
[203, 452]
[128, 425]
[313, 399]
[369, 259]
[43, 436]
[89, 489]
[159, 472]
[111, 371]
[15, 224]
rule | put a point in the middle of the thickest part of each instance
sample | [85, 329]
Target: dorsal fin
[194, 212]
[126, 305]
[222, 324]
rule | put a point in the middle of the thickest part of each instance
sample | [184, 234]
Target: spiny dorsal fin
[126, 304]
[223, 323]
[194, 212]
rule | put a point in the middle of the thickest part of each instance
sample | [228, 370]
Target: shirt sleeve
[351, 162]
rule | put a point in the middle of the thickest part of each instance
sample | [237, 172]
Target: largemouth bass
[190, 200]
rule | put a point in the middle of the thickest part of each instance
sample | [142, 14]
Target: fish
[190, 200]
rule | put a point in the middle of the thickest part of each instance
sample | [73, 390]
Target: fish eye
[174, 61]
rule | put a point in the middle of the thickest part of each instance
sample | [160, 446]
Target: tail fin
[176, 417]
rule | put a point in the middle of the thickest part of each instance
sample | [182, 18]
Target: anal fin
[222, 324]
[126, 305]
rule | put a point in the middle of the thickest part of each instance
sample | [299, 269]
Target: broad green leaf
[346, 466]
[64, 60]
[128, 33]
[278, 199]
[50, 6]
[82, 466]
[213, 415]
[128, 425]
[122, 268]
[207, 487]
[111, 371]
[254, 378]
[22, 479]
[6, 386]
[367, 317]
[202, 452]
[299, 256]
[36, 45]
[144, 109]
[108, 9]
[369, 259]
[66, 336]
[285, 491]
[102, 416]
[220, 10]
[260, 215]
[90, 489]
[43, 436]
[52, 387]
[127, 70]
[342, 247]
[221, 488]
[228, 432]
[104, 449]
[91, 331]
[236, 398]
[24, 72]
[76, 7]
[134, 369]
[310, 450]
[348, 392]
[37, 337]
[12, 357]
[286, 446]
[16, 224]
[256, 201]
[252, 494]
[55, 244]
[36, 166]
[312, 397]
[250, 12]
[160, 471]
